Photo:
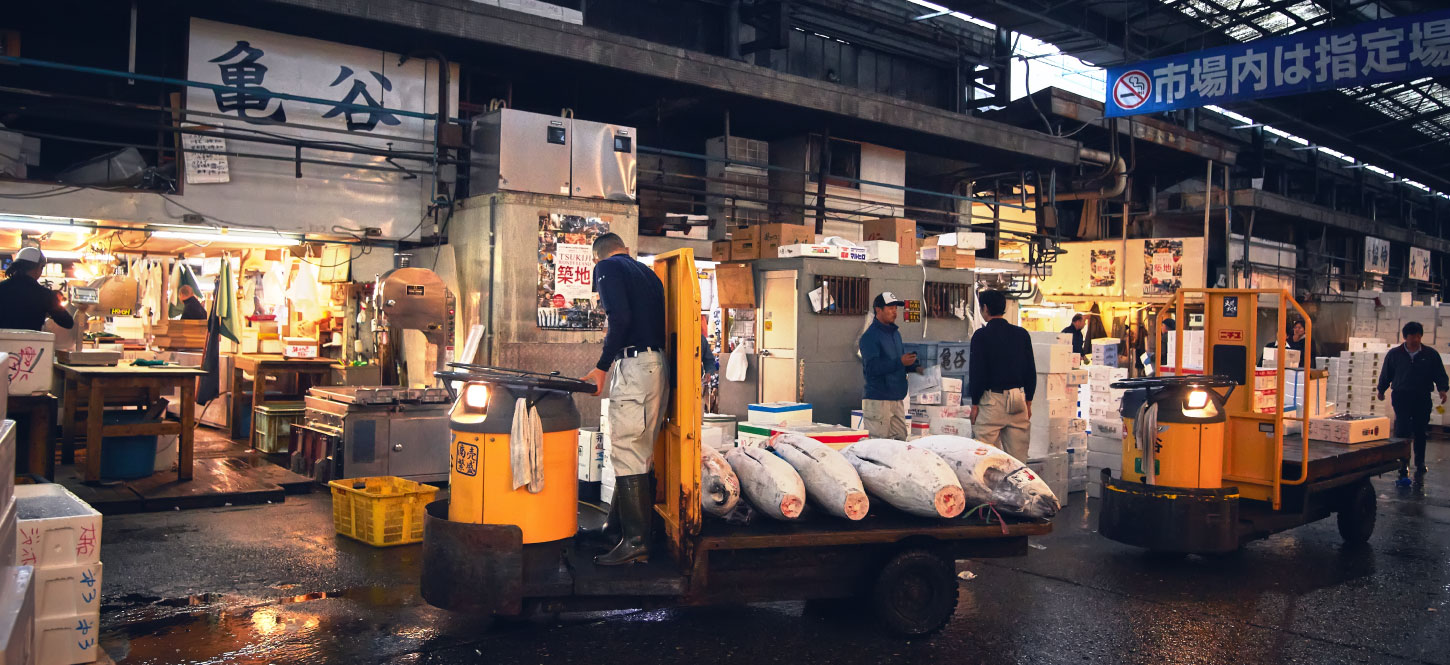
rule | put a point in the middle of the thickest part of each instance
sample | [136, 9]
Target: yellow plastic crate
[386, 510]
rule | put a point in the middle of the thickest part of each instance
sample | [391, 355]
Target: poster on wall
[1162, 267]
[566, 298]
[1104, 267]
[1420, 264]
[1377, 256]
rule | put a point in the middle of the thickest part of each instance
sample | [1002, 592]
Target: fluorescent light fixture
[233, 237]
[40, 224]
[67, 254]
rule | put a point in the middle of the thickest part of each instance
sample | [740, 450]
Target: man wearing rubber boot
[1413, 369]
[633, 362]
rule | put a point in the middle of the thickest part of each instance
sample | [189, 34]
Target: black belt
[1003, 391]
[634, 351]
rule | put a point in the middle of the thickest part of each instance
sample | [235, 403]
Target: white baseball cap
[888, 299]
[31, 254]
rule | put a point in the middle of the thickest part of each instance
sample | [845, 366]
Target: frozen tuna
[719, 487]
[831, 482]
[912, 479]
[990, 475]
[769, 482]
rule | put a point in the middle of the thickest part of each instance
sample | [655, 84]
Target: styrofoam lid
[10, 334]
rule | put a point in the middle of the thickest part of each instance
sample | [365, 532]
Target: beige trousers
[1003, 424]
[885, 419]
[638, 391]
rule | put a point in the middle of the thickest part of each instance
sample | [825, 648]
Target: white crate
[17, 615]
[32, 354]
[56, 528]
[67, 640]
[1052, 358]
[67, 591]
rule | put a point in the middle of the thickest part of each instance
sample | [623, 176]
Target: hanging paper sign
[566, 298]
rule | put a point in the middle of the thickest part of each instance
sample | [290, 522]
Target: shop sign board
[1420, 264]
[366, 90]
[1401, 48]
[1377, 255]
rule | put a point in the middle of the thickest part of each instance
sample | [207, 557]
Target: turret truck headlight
[475, 396]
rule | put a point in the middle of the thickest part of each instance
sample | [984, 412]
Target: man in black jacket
[1079, 345]
[1002, 377]
[24, 302]
[1412, 369]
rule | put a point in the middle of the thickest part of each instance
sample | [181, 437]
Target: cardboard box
[735, 285]
[765, 240]
[897, 230]
[720, 251]
[946, 256]
[1346, 428]
[299, 347]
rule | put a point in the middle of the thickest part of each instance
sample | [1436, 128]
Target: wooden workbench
[309, 371]
[125, 382]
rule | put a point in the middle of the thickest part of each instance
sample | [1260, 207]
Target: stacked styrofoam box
[1104, 444]
[1357, 384]
[1053, 470]
[17, 614]
[1193, 349]
[1104, 352]
[60, 536]
[606, 474]
[1054, 404]
[8, 520]
[593, 455]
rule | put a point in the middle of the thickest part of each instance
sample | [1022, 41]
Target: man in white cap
[885, 362]
[24, 302]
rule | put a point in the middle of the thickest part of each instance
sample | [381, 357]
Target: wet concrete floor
[272, 584]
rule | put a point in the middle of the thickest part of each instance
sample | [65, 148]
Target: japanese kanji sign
[1420, 264]
[1400, 48]
[574, 272]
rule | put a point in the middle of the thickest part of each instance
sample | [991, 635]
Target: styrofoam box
[1077, 377]
[17, 615]
[1051, 386]
[1049, 337]
[1112, 461]
[951, 426]
[9, 528]
[811, 250]
[933, 397]
[32, 355]
[56, 528]
[775, 413]
[4, 385]
[67, 591]
[951, 385]
[7, 461]
[1041, 444]
[882, 251]
[67, 640]
[1052, 358]
[1101, 374]
[1107, 427]
[1053, 470]
[1104, 444]
[951, 399]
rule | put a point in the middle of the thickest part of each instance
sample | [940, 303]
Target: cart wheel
[915, 593]
[1356, 514]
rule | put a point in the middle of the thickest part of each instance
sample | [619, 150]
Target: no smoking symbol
[1131, 90]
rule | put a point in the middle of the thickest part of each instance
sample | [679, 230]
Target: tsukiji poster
[1104, 269]
[566, 272]
[1162, 266]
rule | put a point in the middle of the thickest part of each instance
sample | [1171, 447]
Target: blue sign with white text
[1405, 47]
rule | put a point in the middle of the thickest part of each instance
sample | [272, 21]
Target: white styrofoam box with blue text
[67, 591]
[67, 640]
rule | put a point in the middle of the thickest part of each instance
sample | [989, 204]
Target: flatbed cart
[1220, 471]
[527, 556]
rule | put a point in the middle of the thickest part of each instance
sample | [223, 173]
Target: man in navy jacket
[885, 362]
[1413, 369]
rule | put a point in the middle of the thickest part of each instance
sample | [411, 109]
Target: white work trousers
[638, 390]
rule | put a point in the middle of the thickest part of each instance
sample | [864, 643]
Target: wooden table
[125, 382]
[40, 408]
[309, 371]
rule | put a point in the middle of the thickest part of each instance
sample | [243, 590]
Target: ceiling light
[39, 224]
[240, 238]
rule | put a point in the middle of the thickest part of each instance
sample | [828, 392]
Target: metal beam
[466, 20]
[1259, 199]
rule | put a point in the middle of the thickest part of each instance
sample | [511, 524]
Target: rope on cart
[985, 518]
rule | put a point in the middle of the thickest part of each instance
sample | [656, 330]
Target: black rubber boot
[632, 495]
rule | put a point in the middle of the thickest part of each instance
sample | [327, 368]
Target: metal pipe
[492, 270]
[1118, 172]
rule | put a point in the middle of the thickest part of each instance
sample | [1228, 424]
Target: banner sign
[1392, 49]
[566, 298]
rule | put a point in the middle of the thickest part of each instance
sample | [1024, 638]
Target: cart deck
[1329, 460]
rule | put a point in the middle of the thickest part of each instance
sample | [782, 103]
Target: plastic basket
[274, 425]
[386, 510]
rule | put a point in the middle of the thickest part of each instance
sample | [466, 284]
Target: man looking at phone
[885, 362]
